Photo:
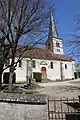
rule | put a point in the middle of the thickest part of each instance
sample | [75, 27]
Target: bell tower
[54, 43]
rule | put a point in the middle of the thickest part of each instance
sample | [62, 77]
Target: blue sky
[65, 15]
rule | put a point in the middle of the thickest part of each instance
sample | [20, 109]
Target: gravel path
[64, 89]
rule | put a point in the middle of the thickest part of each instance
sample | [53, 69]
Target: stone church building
[50, 62]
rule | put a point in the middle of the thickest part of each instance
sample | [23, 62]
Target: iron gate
[57, 110]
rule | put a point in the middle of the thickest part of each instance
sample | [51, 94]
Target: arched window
[58, 50]
[33, 64]
[20, 63]
[51, 65]
[57, 44]
[65, 66]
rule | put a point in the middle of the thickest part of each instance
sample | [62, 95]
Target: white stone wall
[53, 74]
[67, 73]
[21, 72]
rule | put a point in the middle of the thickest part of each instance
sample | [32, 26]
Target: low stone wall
[34, 107]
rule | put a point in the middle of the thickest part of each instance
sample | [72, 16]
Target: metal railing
[57, 110]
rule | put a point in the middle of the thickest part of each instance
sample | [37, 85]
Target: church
[50, 62]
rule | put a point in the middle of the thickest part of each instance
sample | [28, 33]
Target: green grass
[20, 82]
[21, 92]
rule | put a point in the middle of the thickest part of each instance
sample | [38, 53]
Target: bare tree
[73, 46]
[21, 19]
[73, 42]
[4, 51]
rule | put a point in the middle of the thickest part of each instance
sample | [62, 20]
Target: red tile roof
[41, 53]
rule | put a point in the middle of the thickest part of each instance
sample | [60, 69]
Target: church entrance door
[43, 70]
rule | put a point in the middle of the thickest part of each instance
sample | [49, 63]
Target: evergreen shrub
[37, 76]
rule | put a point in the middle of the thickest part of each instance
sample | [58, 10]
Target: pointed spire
[52, 28]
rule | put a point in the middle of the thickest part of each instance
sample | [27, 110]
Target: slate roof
[42, 53]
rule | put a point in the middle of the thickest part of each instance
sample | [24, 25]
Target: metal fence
[57, 109]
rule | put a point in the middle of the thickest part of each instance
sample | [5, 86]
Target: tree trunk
[11, 74]
[11, 79]
[1, 71]
[0, 79]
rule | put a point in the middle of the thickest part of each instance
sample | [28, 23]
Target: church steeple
[54, 43]
[52, 28]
